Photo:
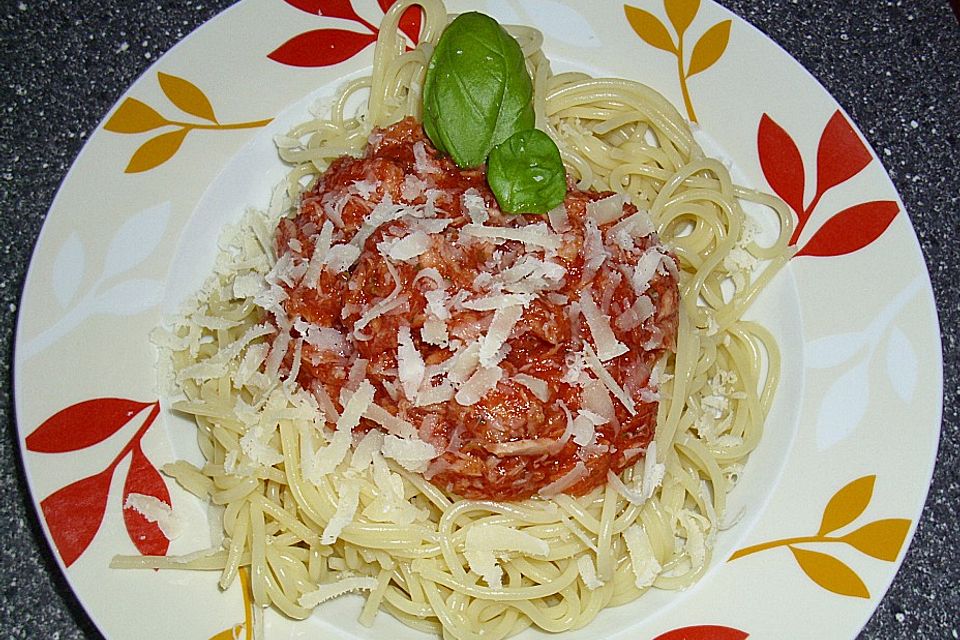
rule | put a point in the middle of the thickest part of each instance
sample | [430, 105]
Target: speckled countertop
[893, 65]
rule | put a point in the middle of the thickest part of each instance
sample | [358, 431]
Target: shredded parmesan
[410, 364]
[606, 210]
[608, 347]
[335, 589]
[347, 504]
[482, 381]
[588, 572]
[644, 562]
[538, 387]
[155, 510]
[410, 453]
[597, 367]
[564, 482]
[537, 235]
[496, 337]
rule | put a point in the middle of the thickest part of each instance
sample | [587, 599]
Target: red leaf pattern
[410, 21]
[321, 47]
[73, 514]
[144, 478]
[704, 632]
[840, 155]
[781, 163]
[852, 229]
[83, 424]
[328, 8]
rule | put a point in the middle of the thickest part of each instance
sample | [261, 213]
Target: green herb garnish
[526, 173]
[477, 95]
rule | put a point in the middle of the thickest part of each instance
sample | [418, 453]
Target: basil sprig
[526, 173]
[477, 95]
[477, 92]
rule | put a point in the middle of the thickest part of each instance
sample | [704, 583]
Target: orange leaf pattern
[846, 505]
[134, 116]
[244, 629]
[881, 539]
[186, 96]
[709, 47]
[830, 573]
[650, 29]
[681, 14]
[156, 151]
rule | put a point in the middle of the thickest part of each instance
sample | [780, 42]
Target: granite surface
[893, 65]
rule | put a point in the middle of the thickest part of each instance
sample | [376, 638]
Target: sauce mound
[523, 349]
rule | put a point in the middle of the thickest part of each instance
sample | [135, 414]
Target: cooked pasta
[366, 523]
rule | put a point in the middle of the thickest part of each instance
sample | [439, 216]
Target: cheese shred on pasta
[316, 510]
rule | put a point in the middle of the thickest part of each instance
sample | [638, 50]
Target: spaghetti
[314, 513]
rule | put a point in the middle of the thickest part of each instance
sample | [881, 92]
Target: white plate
[830, 498]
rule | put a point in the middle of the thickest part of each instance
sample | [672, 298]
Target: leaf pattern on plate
[830, 573]
[845, 402]
[704, 632]
[880, 539]
[83, 425]
[903, 368]
[134, 117]
[66, 272]
[707, 51]
[144, 479]
[841, 155]
[133, 242]
[331, 45]
[74, 513]
[246, 627]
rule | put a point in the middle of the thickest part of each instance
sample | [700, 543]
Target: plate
[826, 505]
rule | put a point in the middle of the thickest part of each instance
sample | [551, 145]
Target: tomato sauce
[508, 445]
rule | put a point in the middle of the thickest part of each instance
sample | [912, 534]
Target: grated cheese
[537, 235]
[156, 510]
[410, 453]
[405, 248]
[475, 205]
[538, 387]
[334, 589]
[500, 539]
[492, 343]
[584, 427]
[607, 210]
[341, 257]
[645, 269]
[643, 561]
[597, 367]
[321, 246]
[608, 347]
[564, 482]
[558, 218]
[393, 424]
[499, 301]
[347, 504]
[588, 572]
[477, 386]
[410, 364]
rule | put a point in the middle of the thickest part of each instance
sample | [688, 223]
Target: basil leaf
[526, 173]
[477, 92]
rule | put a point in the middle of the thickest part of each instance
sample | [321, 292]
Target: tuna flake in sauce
[520, 347]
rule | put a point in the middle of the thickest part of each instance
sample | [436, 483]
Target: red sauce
[476, 459]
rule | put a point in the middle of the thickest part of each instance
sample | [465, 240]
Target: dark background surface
[894, 66]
